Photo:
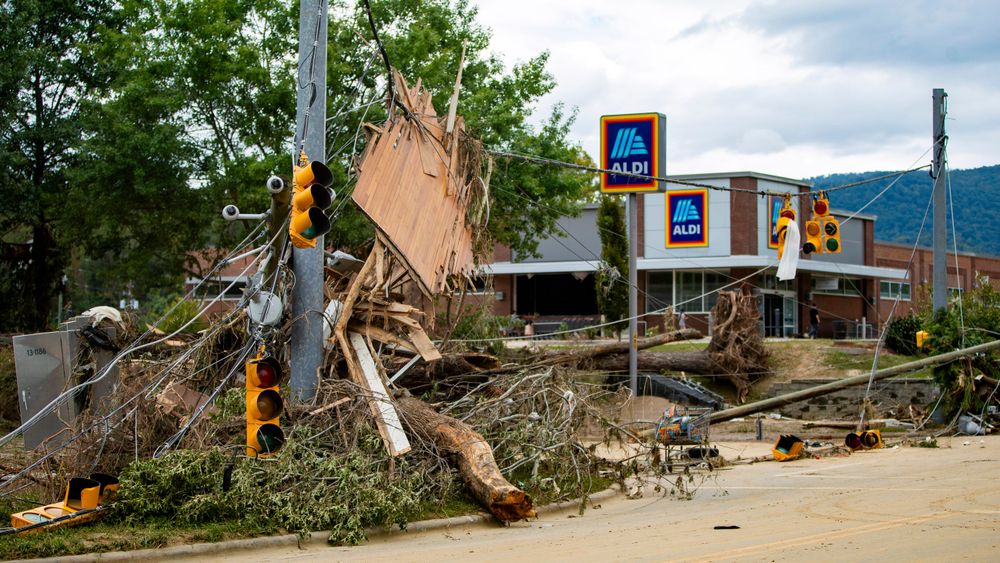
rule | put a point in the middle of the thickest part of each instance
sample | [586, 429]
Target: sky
[791, 88]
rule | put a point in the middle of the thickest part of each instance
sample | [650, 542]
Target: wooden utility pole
[938, 164]
[307, 263]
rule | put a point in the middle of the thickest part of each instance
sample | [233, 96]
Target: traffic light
[264, 406]
[83, 502]
[814, 238]
[311, 195]
[786, 216]
[825, 235]
[867, 439]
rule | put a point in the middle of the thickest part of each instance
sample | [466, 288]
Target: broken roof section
[421, 186]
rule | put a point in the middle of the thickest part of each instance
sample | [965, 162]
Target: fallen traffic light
[264, 406]
[867, 439]
[83, 502]
[787, 448]
[310, 197]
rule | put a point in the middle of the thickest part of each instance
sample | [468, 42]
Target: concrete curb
[314, 538]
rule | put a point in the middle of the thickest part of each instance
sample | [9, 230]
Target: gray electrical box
[48, 364]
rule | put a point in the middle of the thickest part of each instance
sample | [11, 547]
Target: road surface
[897, 504]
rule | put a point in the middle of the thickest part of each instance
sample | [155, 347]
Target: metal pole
[307, 263]
[633, 309]
[885, 373]
[940, 277]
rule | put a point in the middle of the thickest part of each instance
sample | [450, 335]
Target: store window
[893, 290]
[659, 290]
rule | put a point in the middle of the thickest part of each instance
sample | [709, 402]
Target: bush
[901, 337]
[184, 312]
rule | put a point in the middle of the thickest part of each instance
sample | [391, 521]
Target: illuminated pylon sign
[311, 196]
[264, 406]
[686, 218]
[635, 144]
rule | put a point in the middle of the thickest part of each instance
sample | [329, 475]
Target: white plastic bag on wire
[790, 255]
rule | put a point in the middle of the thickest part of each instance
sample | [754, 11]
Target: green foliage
[9, 412]
[182, 312]
[979, 315]
[612, 294]
[901, 336]
[302, 490]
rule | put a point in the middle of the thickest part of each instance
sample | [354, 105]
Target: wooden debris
[386, 417]
[408, 162]
[474, 458]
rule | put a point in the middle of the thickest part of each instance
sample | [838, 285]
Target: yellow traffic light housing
[814, 238]
[786, 216]
[866, 440]
[83, 502]
[831, 235]
[310, 197]
[264, 406]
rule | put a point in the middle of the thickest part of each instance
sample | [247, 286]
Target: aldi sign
[687, 218]
[634, 143]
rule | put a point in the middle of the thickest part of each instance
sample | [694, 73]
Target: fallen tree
[736, 350]
[474, 458]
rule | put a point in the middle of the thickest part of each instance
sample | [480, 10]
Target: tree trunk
[692, 362]
[474, 458]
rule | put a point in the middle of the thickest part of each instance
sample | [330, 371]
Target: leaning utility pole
[307, 263]
[938, 164]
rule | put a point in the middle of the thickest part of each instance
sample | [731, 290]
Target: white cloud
[791, 88]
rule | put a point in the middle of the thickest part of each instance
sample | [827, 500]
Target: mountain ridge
[901, 209]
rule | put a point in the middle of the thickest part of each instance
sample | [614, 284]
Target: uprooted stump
[736, 349]
[474, 457]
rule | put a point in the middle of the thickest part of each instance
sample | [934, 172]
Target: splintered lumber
[782, 400]
[408, 162]
[386, 417]
[474, 457]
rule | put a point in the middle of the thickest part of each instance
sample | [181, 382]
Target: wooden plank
[381, 335]
[427, 350]
[381, 404]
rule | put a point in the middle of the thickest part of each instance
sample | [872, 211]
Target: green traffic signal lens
[270, 438]
[832, 245]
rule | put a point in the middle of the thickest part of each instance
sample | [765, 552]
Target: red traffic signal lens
[267, 374]
[270, 438]
[269, 405]
[821, 207]
[853, 441]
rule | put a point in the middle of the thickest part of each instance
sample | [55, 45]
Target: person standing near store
[813, 320]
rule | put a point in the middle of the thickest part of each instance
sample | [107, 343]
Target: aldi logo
[636, 144]
[687, 218]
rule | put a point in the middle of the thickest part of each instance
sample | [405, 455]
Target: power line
[596, 170]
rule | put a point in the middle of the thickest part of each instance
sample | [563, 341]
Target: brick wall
[743, 217]
[891, 398]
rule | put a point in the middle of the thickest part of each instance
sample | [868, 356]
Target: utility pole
[938, 164]
[633, 309]
[307, 263]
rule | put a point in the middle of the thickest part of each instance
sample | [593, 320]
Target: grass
[844, 361]
[102, 537]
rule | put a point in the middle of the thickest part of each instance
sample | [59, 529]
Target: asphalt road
[903, 504]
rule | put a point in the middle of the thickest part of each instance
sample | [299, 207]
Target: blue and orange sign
[774, 205]
[687, 218]
[637, 144]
